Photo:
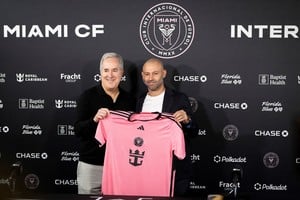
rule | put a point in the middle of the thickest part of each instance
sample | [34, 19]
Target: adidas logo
[141, 128]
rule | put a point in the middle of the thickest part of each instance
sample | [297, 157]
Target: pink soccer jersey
[139, 153]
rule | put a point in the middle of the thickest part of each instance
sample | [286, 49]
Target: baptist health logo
[64, 129]
[270, 79]
[21, 77]
[167, 30]
[31, 103]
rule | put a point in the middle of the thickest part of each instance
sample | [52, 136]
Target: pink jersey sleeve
[178, 142]
[100, 133]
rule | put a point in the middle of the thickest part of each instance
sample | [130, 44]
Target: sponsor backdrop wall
[237, 61]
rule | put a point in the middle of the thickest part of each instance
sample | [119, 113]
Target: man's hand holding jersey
[101, 114]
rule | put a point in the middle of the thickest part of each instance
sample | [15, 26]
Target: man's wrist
[188, 120]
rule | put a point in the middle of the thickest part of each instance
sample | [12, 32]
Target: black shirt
[85, 128]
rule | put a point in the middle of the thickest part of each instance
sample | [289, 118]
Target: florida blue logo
[167, 30]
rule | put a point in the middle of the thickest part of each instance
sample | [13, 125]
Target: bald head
[153, 74]
[154, 62]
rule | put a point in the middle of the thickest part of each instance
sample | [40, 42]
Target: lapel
[168, 100]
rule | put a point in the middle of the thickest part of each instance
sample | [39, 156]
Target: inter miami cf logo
[167, 30]
[271, 160]
[194, 104]
[136, 156]
[230, 132]
[32, 181]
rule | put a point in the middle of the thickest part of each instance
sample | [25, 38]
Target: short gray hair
[112, 55]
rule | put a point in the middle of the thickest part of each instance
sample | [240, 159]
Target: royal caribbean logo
[60, 103]
[1, 104]
[167, 30]
[2, 77]
[21, 77]
[195, 186]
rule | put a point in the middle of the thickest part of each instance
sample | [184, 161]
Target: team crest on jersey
[138, 141]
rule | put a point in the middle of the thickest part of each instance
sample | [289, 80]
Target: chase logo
[167, 30]
[32, 155]
[4, 129]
